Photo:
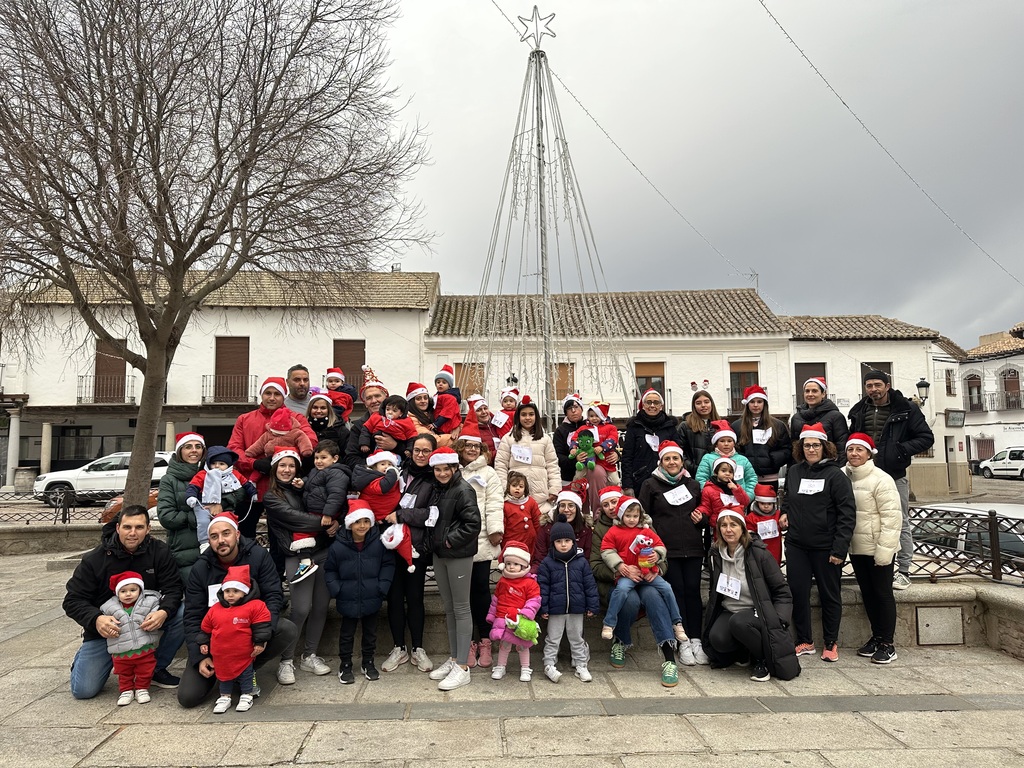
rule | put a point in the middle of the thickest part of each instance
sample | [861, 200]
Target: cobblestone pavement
[933, 707]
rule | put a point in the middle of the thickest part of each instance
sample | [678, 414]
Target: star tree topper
[536, 27]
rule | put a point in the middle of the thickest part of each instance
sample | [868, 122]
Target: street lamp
[922, 390]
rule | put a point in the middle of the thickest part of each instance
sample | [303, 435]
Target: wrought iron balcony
[231, 389]
[106, 390]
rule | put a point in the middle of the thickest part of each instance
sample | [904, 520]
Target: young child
[342, 395]
[522, 515]
[359, 574]
[282, 430]
[502, 420]
[325, 495]
[217, 488]
[719, 492]
[235, 631]
[763, 519]
[568, 592]
[377, 483]
[393, 421]
[723, 441]
[607, 437]
[447, 402]
[134, 649]
[627, 542]
[517, 594]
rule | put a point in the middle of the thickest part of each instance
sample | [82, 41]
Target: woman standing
[421, 411]
[309, 598]
[818, 409]
[474, 457]
[177, 517]
[695, 429]
[762, 438]
[572, 407]
[820, 511]
[405, 598]
[454, 526]
[570, 504]
[749, 606]
[876, 539]
[648, 429]
[324, 420]
[528, 450]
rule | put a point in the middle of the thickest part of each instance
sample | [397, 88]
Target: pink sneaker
[805, 649]
[472, 655]
[485, 654]
[830, 653]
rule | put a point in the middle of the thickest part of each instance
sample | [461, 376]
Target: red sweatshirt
[522, 521]
[232, 630]
[772, 543]
[628, 541]
[713, 500]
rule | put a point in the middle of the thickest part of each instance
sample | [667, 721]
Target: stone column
[45, 447]
[169, 434]
[13, 441]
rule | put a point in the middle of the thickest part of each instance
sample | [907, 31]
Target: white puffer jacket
[541, 470]
[879, 514]
[490, 498]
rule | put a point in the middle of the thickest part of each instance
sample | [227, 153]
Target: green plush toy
[586, 450]
[524, 628]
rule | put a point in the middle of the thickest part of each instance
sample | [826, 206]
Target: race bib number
[478, 480]
[762, 436]
[408, 501]
[811, 487]
[499, 419]
[728, 586]
[522, 454]
[678, 496]
[652, 441]
[431, 521]
[768, 529]
[728, 499]
[497, 442]
[211, 597]
[738, 475]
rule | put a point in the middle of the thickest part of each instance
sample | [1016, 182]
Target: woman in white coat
[528, 450]
[475, 458]
[876, 539]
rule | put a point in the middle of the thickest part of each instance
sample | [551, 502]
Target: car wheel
[56, 493]
[986, 473]
[1022, 474]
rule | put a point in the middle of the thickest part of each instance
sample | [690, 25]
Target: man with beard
[297, 399]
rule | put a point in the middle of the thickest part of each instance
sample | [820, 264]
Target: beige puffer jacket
[879, 514]
[490, 498]
[537, 460]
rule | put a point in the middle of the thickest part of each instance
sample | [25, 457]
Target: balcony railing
[106, 390]
[233, 389]
[1003, 401]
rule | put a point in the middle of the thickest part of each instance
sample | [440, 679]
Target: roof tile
[853, 328]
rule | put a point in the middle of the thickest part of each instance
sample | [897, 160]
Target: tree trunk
[140, 470]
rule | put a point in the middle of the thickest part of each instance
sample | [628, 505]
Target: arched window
[972, 393]
[1009, 380]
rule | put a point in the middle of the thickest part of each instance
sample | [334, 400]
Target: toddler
[341, 395]
[502, 420]
[607, 436]
[568, 592]
[522, 515]
[447, 402]
[133, 650]
[630, 543]
[720, 491]
[217, 488]
[763, 519]
[359, 574]
[723, 442]
[282, 430]
[516, 596]
[324, 495]
[377, 483]
[393, 421]
[235, 631]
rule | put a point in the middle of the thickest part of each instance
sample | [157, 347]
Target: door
[951, 473]
[109, 380]
[231, 370]
[103, 474]
[1015, 463]
[998, 464]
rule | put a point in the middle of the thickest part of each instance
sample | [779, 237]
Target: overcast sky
[718, 108]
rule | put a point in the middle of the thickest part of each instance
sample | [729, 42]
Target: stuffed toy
[587, 449]
[524, 628]
[646, 557]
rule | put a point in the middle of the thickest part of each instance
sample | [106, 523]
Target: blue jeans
[624, 586]
[93, 665]
[657, 614]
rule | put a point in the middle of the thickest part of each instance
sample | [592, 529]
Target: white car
[98, 480]
[1008, 463]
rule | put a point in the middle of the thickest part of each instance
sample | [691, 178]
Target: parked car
[964, 531]
[98, 480]
[114, 506]
[1008, 463]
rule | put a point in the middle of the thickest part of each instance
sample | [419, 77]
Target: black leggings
[480, 599]
[733, 631]
[801, 566]
[875, 582]
[405, 602]
[683, 575]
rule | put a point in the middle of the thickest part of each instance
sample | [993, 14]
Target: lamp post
[922, 390]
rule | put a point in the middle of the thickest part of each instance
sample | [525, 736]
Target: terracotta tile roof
[953, 349]
[659, 313]
[1008, 345]
[853, 328]
[351, 290]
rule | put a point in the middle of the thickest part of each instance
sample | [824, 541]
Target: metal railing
[950, 543]
[1003, 401]
[109, 390]
[233, 389]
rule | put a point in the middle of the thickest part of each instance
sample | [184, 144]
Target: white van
[1008, 463]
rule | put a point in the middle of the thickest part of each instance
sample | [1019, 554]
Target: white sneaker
[525, 675]
[497, 673]
[900, 581]
[552, 673]
[456, 678]
[442, 671]
[397, 657]
[142, 696]
[421, 660]
[221, 705]
[244, 703]
[286, 672]
[686, 657]
[314, 664]
[583, 673]
[125, 698]
[698, 652]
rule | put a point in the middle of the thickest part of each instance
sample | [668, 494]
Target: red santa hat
[512, 392]
[124, 578]
[609, 492]
[567, 494]
[572, 397]
[732, 511]
[724, 430]
[649, 391]
[285, 450]
[723, 460]
[600, 408]
[819, 380]
[813, 431]
[443, 456]
[335, 373]
[381, 455]
[274, 382]
[669, 446]
[471, 432]
[224, 517]
[754, 393]
[476, 402]
[280, 422]
[765, 493]
[358, 510]
[398, 538]
[515, 550]
[574, 437]
[859, 438]
[370, 380]
[625, 503]
[316, 396]
[447, 373]
[237, 577]
[187, 437]
[415, 389]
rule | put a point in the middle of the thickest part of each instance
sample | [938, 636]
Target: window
[985, 447]
[972, 387]
[741, 376]
[865, 367]
[109, 380]
[350, 356]
[471, 378]
[563, 381]
[1010, 380]
[650, 376]
[805, 371]
[231, 369]
[950, 376]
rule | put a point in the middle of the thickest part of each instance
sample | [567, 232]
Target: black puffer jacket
[672, 522]
[694, 444]
[326, 490]
[560, 438]
[287, 515]
[820, 506]
[638, 457]
[830, 417]
[414, 506]
[905, 434]
[454, 533]
[359, 577]
[767, 458]
[773, 602]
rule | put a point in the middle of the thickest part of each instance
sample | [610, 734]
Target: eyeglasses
[812, 446]
[652, 402]
[422, 450]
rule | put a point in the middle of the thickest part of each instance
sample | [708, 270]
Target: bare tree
[151, 150]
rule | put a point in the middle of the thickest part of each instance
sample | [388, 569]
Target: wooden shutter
[564, 380]
[231, 369]
[470, 378]
[350, 355]
[109, 379]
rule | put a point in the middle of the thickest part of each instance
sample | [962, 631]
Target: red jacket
[522, 520]
[233, 631]
[250, 427]
[515, 596]
[342, 400]
[622, 539]
[505, 428]
[382, 503]
[446, 407]
[608, 437]
[773, 543]
[400, 429]
[711, 501]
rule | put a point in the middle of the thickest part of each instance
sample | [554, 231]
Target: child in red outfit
[282, 430]
[133, 650]
[393, 421]
[720, 491]
[763, 519]
[377, 483]
[447, 402]
[522, 515]
[341, 400]
[504, 419]
[517, 594]
[607, 437]
[235, 631]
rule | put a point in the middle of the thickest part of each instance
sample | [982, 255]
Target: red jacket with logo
[233, 630]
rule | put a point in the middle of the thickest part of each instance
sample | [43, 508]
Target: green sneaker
[618, 655]
[669, 674]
